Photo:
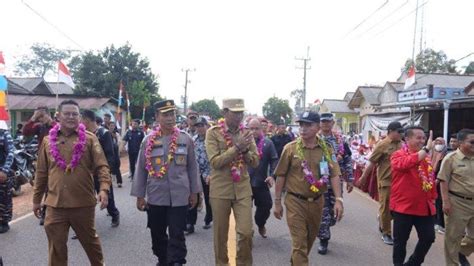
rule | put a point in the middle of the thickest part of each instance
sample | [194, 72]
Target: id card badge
[334, 158]
[323, 168]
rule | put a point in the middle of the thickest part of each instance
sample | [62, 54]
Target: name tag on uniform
[181, 149]
[324, 168]
[461, 165]
[333, 157]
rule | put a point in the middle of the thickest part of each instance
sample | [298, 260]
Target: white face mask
[439, 147]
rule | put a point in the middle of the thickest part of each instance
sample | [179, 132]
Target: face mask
[439, 147]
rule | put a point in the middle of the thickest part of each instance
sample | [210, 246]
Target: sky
[247, 48]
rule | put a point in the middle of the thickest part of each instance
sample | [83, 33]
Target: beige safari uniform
[458, 170]
[303, 212]
[381, 157]
[225, 195]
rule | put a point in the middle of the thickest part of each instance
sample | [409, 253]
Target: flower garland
[260, 145]
[78, 149]
[152, 140]
[425, 171]
[236, 164]
[315, 185]
[340, 144]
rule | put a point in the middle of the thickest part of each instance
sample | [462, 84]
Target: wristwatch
[340, 199]
[426, 149]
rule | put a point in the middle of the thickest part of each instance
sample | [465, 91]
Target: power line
[385, 18]
[464, 57]
[367, 18]
[52, 25]
[404, 17]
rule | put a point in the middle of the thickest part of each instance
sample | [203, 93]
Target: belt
[301, 197]
[459, 196]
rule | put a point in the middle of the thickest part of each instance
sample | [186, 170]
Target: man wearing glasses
[380, 158]
[457, 191]
[192, 117]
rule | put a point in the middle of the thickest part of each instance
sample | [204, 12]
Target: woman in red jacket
[412, 196]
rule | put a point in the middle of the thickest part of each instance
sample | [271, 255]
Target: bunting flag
[129, 116]
[4, 117]
[120, 100]
[411, 77]
[64, 75]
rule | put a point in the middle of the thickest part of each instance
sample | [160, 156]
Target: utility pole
[305, 67]
[185, 98]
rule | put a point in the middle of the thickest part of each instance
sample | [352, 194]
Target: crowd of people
[231, 165]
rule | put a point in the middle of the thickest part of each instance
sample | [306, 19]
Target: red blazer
[407, 195]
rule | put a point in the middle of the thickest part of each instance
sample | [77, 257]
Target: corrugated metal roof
[61, 87]
[349, 96]
[442, 81]
[15, 88]
[338, 106]
[371, 94]
[31, 102]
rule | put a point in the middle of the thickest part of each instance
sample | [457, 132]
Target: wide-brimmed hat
[234, 105]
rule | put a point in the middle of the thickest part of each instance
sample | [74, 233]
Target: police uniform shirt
[180, 180]
[134, 139]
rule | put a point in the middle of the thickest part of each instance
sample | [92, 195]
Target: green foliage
[275, 108]
[43, 58]
[100, 73]
[431, 61]
[207, 107]
[469, 68]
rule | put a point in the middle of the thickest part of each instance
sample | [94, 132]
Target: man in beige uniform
[457, 191]
[71, 195]
[381, 158]
[225, 192]
[303, 206]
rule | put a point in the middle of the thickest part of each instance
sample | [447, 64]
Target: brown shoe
[262, 231]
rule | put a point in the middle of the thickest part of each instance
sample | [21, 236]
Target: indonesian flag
[317, 102]
[64, 75]
[411, 77]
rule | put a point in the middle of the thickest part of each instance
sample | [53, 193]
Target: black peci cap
[309, 117]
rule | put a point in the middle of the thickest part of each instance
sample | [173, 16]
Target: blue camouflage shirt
[201, 156]
[345, 163]
[6, 151]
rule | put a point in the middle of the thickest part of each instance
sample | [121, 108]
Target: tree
[469, 68]
[275, 109]
[100, 73]
[43, 58]
[207, 107]
[431, 61]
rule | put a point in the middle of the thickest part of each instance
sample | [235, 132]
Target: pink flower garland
[260, 144]
[315, 184]
[236, 164]
[340, 144]
[78, 149]
[425, 171]
[156, 133]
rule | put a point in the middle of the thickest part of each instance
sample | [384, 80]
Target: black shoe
[74, 237]
[116, 220]
[463, 260]
[189, 229]
[387, 239]
[119, 184]
[207, 226]
[4, 227]
[41, 221]
[323, 247]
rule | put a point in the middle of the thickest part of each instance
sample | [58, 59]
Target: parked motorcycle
[24, 164]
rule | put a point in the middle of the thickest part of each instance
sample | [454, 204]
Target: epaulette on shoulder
[214, 127]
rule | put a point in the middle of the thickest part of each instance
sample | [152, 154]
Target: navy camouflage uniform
[6, 161]
[345, 164]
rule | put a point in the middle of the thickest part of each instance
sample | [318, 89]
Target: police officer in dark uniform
[134, 138]
[281, 138]
[6, 180]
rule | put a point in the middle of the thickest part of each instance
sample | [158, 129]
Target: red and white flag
[410, 78]
[64, 75]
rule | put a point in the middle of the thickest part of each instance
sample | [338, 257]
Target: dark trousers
[402, 225]
[170, 249]
[439, 208]
[263, 201]
[132, 159]
[205, 189]
[192, 214]
[6, 203]
[116, 168]
[111, 208]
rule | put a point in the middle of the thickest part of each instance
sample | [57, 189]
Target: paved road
[355, 240]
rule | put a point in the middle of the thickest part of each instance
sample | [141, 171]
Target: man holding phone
[260, 177]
